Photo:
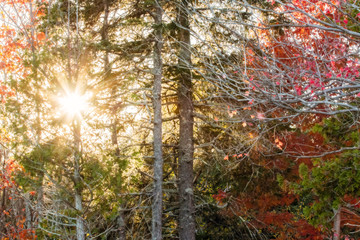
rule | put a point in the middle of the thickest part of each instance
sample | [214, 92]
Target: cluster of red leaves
[268, 207]
[301, 62]
[18, 231]
[353, 201]
[220, 196]
[269, 212]
[297, 68]
[10, 59]
[264, 205]
[13, 41]
[11, 216]
[7, 174]
[19, 36]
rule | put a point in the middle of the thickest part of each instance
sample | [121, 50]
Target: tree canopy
[156, 119]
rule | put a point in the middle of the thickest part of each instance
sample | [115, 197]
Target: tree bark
[4, 192]
[80, 229]
[28, 215]
[40, 195]
[337, 221]
[186, 144]
[157, 132]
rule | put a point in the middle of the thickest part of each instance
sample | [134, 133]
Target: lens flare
[73, 104]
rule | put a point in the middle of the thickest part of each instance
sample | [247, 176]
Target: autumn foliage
[280, 157]
[12, 209]
[301, 81]
[306, 66]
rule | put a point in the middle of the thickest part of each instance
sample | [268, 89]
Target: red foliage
[270, 213]
[300, 66]
[13, 41]
[350, 218]
[220, 196]
[12, 215]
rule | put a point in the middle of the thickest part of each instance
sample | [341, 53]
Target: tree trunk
[158, 156]
[38, 127]
[186, 144]
[120, 232]
[337, 220]
[4, 193]
[28, 215]
[80, 229]
[40, 196]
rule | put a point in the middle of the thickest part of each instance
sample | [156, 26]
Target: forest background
[183, 119]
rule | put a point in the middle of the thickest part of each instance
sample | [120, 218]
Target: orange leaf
[41, 36]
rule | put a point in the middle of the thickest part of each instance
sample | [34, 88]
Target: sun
[73, 104]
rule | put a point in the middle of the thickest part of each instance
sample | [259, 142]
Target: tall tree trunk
[41, 161]
[158, 156]
[80, 229]
[38, 129]
[120, 228]
[186, 144]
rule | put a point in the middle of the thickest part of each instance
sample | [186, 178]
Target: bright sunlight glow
[73, 103]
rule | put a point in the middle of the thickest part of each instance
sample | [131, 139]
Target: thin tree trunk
[337, 221]
[28, 218]
[40, 196]
[4, 195]
[80, 229]
[3, 199]
[186, 144]
[120, 222]
[158, 156]
[120, 228]
[38, 127]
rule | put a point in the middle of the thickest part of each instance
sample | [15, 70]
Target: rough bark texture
[186, 144]
[80, 229]
[158, 156]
